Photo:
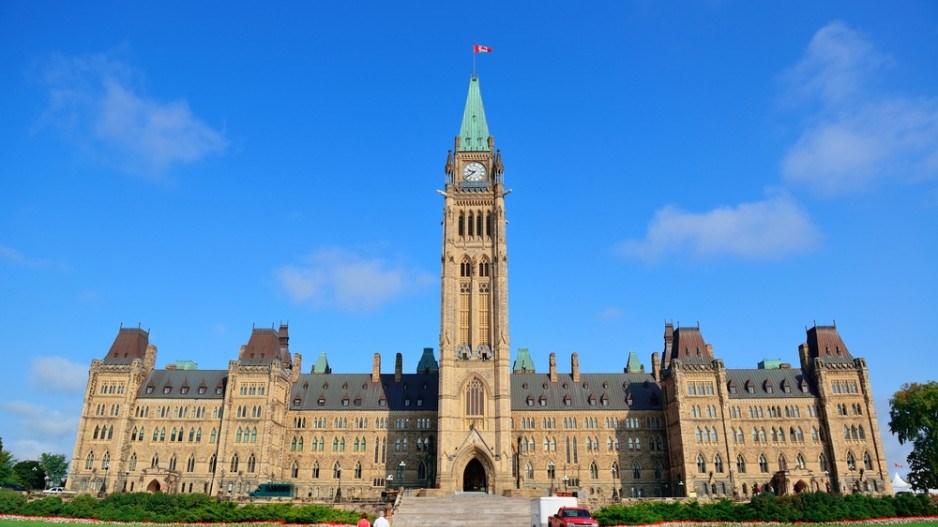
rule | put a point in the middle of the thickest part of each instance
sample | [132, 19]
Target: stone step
[465, 509]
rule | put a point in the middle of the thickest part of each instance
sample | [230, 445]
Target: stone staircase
[465, 509]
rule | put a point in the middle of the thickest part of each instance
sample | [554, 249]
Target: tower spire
[474, 132]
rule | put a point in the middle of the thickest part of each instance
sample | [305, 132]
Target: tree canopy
[30, 474]
[54, 466]
[913, 418]
[6, 465]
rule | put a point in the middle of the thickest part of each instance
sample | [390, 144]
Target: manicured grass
[65, 523]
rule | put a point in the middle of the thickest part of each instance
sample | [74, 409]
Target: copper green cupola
[474, 132]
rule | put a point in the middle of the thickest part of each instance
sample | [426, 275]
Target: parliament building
[469, 418]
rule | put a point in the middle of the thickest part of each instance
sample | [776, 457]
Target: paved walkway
[465, 509]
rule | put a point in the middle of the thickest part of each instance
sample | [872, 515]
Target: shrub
[11, 501]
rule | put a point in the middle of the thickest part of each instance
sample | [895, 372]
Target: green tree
[913, 418]
[30, 474]
[6, 465]
[55, 466]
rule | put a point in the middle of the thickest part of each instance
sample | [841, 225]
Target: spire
[474, 132]
[633, 365]
[322, 364]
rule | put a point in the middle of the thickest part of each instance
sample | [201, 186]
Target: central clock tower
[474, 449]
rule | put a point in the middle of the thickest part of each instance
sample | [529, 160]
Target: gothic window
[252, 462]
[421, 471]
[867, 461]
[238, 436]
[190, 464]
[740, 464]
[701, 464]
[822, 462]
[594, 471]
[851, 461]
[212, 463]
[254, 435]
[782, 462]
[529, 471]
[155, 461]
[337, 470]
[615, 470]
[172, 462]
[718, 463]
[315, 472]
[475, 393]
[479, 224]
[358, 471]
[658, 470]
[551, 472]
[763, 463]
[472, 224]
[89, 461]
[862, 435]
[234, 464]
[799, 461]
[462, 224]
[488, 224]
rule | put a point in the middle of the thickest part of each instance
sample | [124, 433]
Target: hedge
[169, 508]
[806, 507]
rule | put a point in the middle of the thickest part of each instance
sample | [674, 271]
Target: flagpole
[474, 74]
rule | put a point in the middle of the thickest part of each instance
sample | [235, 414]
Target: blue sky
[751, 166]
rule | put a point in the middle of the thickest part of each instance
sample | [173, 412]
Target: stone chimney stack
[655, 367]
[575, 367]
[376, 368]
[398, 367]
[668, 342]
[553, 367]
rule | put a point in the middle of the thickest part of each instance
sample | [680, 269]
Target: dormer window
[382, 402]
[296, 402]
[184, 389]
[542, 401]
[345, 401]
[167, 388]
[420, 401]
[201, 390]
[149, 389]
[218, 390]
[567, 401]
[321, 401]
[406, 402]
[530, 400]
[358, 401]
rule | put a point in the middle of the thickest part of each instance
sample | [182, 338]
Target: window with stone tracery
[484, 313]
[475, 398]
[464, 294]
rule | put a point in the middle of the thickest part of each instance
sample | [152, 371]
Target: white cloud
[15, 257]
[610, 312]
[856, 136]
[336, 277]
[57, 374]
[97, 102]
[772, 228]
[34, 429]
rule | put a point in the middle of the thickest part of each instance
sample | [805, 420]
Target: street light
[680, 488]
[565, 480]
[400, 474]
[338, 494]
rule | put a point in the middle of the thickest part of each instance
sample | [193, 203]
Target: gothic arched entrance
[473, 479]
[154, 486]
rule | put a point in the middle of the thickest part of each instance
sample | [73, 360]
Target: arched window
[475, 394]
[658, 470]
[238, 436]
[551, 472]
[740, 464]
[701, 464]
[867, 461]
[315, 472]
[89, 461]
[471, 224]
[234, 463]
[799, 461]
[155, 461]
[462, 224]
[212, 463]
[190, 464]
[851, 461]
[782, 462]
[822, 462]
[529, 471]
[698, 435]
[763, 464]
[615, 471]
[358, 470]
[213, 436]
[133, 462]
[337, 470]
[636, 470]
[295, 470]
[251, 463]
[422, 471]
[254, 435]
[860, 429]
[106, 461]
[718, 463]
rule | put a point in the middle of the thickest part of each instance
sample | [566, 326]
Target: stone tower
[474, 450]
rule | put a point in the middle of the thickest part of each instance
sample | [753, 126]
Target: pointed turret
[474, 132]
[633, 365]
[523, 364]
[427, 363]
[322, 365]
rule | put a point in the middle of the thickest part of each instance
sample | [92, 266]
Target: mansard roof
[616, 388]
[775, 377]
[130, 344]
[265, 346]
[340, 391]
[689, 346]
[824, 342]
[428, 363]
[183, 384]
[524, 363]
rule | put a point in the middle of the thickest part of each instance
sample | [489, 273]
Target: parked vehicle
[273, 490]
[18, 488]
[57, 491]
[572, 517]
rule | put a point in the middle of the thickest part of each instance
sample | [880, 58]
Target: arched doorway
[800, 486]
[154, 486]
[473, 479]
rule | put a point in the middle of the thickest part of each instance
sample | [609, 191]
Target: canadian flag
[481, 49]
[897, 465]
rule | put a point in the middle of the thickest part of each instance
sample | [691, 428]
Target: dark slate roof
[130, 344]
[177, 380]
[614, 386]
[776, 377]
[266, 345]
[336, 387]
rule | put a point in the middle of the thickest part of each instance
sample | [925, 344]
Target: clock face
[474, 172]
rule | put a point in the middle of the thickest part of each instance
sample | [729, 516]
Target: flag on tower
[481, 49]
[897, 465]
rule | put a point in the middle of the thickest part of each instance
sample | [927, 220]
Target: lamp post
[338, 473]
[107, 466]
[680, 488]
[400, 474]
[390, 482]
[47, 482]
[565, 480]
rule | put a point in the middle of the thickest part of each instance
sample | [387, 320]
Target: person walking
[364, 521]
[381, 521]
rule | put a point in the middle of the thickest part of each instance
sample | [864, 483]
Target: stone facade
[472, 420]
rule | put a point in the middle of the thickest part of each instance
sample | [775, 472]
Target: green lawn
[37, 523]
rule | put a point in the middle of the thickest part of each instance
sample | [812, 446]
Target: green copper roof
[322, 364]
[523, 363]
[428, 362]
[474, 132]
[633, 366]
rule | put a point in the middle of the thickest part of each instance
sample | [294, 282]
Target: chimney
[575, 367]
[398, 367]
[284, 335]
[553, 367]
[376, 368]
[655, 367]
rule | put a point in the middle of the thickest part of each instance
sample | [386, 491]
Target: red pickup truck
[571, 517]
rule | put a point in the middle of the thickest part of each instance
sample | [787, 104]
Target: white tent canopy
[899, 485]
